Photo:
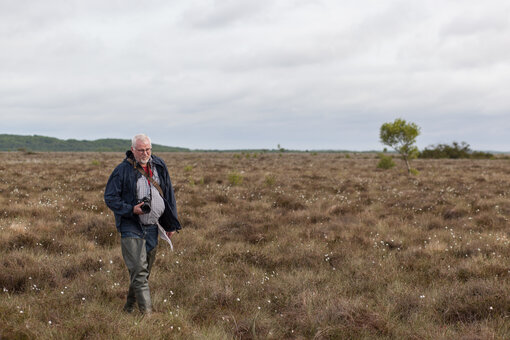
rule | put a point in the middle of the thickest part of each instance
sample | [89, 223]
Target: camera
[146, 206]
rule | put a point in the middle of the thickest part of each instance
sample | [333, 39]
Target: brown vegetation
[275, 246]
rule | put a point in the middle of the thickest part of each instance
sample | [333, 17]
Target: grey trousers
[139, 264]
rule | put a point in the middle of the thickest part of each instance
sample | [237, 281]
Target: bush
[385, 162]
[454, 151]
[270, 180]
[481, 155]
[235, 178]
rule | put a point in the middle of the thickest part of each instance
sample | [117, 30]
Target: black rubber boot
[130, 301]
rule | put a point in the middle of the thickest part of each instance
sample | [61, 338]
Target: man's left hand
[170, 234]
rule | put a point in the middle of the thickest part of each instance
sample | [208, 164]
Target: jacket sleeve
[113, 195]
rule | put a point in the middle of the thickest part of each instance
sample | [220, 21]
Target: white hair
[140, 137]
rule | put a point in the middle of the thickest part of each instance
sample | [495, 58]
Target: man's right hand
[137, 209]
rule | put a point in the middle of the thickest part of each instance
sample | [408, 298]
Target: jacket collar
[129, 154]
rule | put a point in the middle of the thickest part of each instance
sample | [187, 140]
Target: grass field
[274, 246]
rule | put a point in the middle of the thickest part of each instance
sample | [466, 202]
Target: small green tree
[401, 136]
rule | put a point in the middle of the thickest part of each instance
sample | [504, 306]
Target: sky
[227, 74]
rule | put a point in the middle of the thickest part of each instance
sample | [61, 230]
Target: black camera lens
[146, 208]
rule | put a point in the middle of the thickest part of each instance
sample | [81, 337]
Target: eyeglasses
[144, 150]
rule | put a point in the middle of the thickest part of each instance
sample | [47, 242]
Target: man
[140, 194]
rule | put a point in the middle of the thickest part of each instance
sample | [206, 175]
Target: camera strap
[150, 179]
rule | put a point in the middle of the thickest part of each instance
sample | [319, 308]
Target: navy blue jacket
[120, 196]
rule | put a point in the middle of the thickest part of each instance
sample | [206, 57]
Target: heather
[274, 246]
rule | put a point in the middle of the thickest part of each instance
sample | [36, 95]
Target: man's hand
[170, 233]
[137, 209]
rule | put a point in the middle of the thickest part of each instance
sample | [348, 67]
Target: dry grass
[292, 246]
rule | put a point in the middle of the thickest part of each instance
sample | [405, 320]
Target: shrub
[454, 151]
[270, 180]
[235, 178]
[385, 162]
[481, 155]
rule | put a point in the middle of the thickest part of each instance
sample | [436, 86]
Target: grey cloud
[222, 13]
[253, 74]
[466, 24]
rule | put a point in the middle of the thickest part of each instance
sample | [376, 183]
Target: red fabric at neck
[147, 170]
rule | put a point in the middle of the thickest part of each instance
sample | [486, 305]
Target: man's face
[142, 151]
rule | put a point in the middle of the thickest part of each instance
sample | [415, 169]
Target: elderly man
[140, 194]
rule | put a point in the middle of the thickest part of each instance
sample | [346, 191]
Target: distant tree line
[42, 143]
[453, 151]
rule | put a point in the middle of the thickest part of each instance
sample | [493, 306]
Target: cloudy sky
[223, 74]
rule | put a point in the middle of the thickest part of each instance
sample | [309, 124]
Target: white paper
[164, 236]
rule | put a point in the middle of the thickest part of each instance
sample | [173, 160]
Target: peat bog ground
[274, 246]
